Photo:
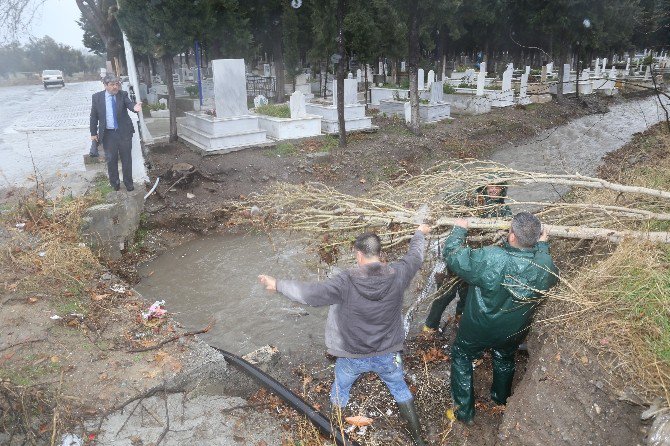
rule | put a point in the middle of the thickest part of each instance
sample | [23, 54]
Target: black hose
[321, 422]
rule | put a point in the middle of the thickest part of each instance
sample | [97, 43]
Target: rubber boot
[408, 412]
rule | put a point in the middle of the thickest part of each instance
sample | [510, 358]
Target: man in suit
[111, 126]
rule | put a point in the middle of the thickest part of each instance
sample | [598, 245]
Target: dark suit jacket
[99, 114]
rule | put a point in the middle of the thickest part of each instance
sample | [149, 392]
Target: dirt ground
[91, 361]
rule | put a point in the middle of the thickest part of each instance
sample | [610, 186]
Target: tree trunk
[414, 66]
[340, 72]
[172, 102]
[278, 53]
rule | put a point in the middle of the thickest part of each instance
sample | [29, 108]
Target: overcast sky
[57, 18]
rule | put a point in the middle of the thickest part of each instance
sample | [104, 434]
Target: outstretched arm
[315, 294]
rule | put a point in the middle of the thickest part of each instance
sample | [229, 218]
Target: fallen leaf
[32, 300]
[558, 357]
[160, 356]
[54, 359]
[585, 360]
[359, 420]
[98, 297]
[450, 415]
[362, 181]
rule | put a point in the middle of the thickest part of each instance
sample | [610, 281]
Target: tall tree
[163, 29]
[101, 16]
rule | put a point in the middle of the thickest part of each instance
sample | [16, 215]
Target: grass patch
[621, 307]
[274, 110]
[330, 142]
[282, 149]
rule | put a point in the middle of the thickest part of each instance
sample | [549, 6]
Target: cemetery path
[44, 132]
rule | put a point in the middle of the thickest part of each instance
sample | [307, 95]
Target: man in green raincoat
[506, 284]
[491, 200]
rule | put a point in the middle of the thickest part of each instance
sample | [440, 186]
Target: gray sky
[56, 18]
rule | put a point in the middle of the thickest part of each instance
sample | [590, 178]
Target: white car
[52, 77]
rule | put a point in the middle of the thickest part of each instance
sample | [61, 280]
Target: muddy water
[578, 146]
[214, 278]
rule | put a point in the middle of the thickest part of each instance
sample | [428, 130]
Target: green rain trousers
[460, 289]
[505, 286]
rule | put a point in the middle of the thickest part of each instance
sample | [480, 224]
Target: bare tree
[16, 16]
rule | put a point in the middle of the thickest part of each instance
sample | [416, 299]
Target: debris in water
[156, 311]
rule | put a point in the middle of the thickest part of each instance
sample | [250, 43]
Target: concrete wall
[110, 226]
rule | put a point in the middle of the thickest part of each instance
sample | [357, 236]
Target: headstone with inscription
[421, 79]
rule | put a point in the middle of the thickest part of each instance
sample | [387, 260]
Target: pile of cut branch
[449, 190]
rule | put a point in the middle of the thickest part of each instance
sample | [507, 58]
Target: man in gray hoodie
[364, 328]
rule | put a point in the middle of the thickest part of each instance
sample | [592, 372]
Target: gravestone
[597, 71]
[481, 79]
[297, 105]
[627, 65]
[436, 93]
[230, 87]
[407, 108]
[604, 64]
[524, 85]
[359, 76]
[470, 75]
[523, 90]
[646, 73]
[543, 74]
[550, 68]
[350, 92]
[381, 67]
[507, 79]
[163, 101]
[613, 72]
[431, 78]
[421, 79]
[403, 66]
[350, 76]
[527, 70]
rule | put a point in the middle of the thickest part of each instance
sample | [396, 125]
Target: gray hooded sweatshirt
[365, 315]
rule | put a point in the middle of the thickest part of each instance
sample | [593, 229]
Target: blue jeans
[388, 366]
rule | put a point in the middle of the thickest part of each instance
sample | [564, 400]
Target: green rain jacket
[506, 284]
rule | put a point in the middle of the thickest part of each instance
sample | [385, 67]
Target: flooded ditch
[213, 279]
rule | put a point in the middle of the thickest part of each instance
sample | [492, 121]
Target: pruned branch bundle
[448, 191]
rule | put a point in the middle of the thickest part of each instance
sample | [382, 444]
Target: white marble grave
[354, 113]
[233, 128]
[421, 79]
[299, 125]
[431, 78]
